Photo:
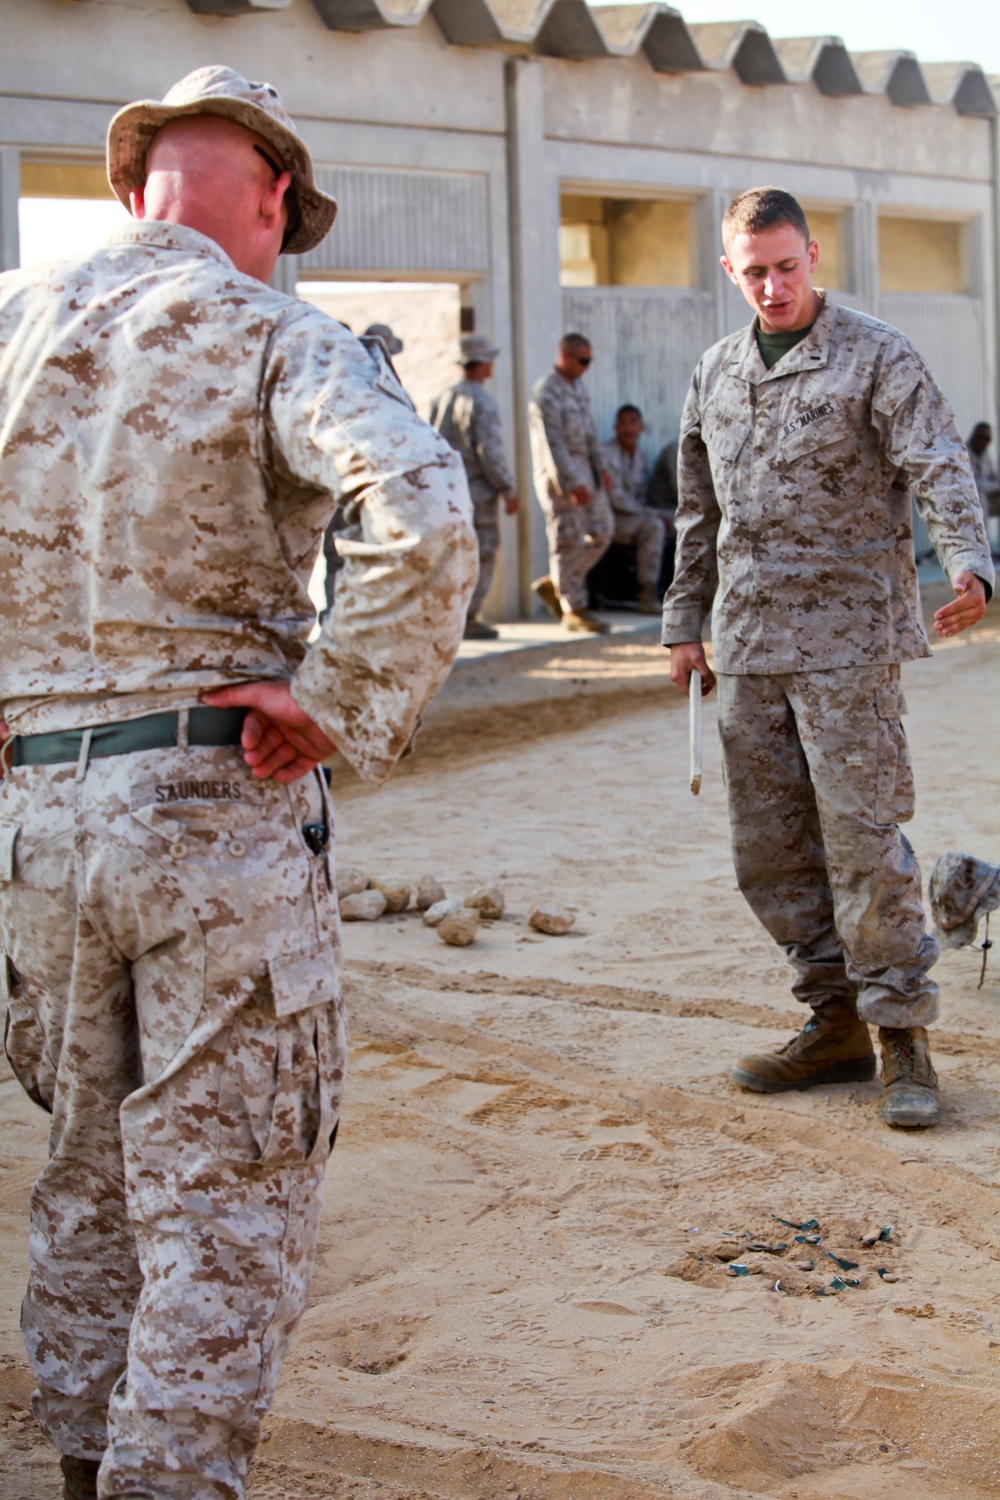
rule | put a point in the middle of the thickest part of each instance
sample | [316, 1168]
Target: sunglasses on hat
[291, 201]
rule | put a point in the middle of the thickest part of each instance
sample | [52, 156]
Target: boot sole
[550, 599]
[861, 1070]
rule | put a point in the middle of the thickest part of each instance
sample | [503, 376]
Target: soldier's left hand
[966, 609]
[511, 504]
[279, 738]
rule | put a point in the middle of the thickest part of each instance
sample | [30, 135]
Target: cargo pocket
[283, 1077]
[894, 795]
[24, 1040]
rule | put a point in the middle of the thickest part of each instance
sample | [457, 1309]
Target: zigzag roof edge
[574, 29]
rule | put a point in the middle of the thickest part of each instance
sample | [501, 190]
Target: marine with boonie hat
[469, 418]
[222, 91]
[177, 434]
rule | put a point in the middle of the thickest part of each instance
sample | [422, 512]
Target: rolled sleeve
[689, 599]
[340, 421]
[919, 434]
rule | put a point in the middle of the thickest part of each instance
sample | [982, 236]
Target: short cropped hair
[570, 342]
[628, 407]
[762, 208]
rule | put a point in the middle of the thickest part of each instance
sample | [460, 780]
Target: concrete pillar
[488, 300]
[991, 271]
[861, 246]
[709, 211]
[10, 195]
[536, 312]
[285, 274]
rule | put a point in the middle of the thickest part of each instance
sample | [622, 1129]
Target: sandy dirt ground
[543, 1172]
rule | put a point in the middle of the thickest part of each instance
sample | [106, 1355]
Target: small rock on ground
[362, 906]
[436, 913]
[459, 927]
[488, 902]
[396, 892]
[429, 892]
[350, 881]
[552, 919]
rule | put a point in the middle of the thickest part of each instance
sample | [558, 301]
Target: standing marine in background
[467, 416]
[984, 471]
[803, 438]
[570, 484]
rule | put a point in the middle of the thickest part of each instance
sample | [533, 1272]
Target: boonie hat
[962, 890]
[221, 91]
[381, 331]
[475, 348]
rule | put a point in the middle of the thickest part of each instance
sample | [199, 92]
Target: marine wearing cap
[176, 435]
[222, 91]
[469, 418]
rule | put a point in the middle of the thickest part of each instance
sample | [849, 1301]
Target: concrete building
[566, 167]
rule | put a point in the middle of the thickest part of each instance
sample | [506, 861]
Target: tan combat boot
[832, 1047]
[648, 604]
[79, 1478]
[546, 590]
[909, 1082]
[584, 621]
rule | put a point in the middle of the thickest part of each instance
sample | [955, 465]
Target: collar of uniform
[812, 354]
[169, 237]
[814, 350]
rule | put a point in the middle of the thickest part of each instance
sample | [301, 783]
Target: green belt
[206, 726]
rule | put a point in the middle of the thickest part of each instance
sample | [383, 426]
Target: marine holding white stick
[803, 439]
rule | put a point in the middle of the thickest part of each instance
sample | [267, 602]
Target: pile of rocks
[365, 899]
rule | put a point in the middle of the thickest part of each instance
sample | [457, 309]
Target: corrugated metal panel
[950, 333]
[404, 221]
[646, 345]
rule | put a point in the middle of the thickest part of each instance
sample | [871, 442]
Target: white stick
[694, 701]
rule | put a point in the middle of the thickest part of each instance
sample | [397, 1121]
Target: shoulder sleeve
[696, 572]
[336, 418]
[919, 436]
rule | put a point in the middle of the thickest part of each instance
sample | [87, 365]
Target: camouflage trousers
[647, 534]
[578, 535]
[486, 519]
[818, 777]
[170, 955]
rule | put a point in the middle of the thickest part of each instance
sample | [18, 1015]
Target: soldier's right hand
[687, 658]
[279, 738]
[581, 495]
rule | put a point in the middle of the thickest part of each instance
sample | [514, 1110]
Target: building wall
[450, 162]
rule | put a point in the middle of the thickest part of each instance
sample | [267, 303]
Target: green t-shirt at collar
[773, 345]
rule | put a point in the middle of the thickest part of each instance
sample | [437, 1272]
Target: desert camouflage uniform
[175, 435]
[794, 530]
[635, 524]
[566, 454]
[467, 416]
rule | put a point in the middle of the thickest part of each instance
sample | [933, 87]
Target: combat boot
[648, 603]
[584, 621]
[79, 1478]
[546, 590]
[478, 630]
[834, 1046]
[909, 1082]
